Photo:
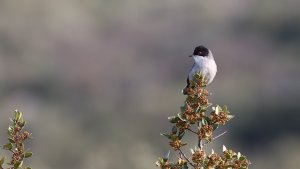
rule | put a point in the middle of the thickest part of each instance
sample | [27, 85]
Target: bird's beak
[190, 55]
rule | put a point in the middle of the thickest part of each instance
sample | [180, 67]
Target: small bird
[204, 63]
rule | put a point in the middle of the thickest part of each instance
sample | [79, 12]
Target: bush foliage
[195, 119]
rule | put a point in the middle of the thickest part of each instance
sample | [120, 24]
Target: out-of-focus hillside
[98, 79]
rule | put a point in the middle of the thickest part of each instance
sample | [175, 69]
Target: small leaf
[180, 115]
[157, 163]
[160, 160]
[18, 115]
[227, 155]
[183, 108]
[206, 120]
[217, 110]
[173, 137]
[224, 148]
[22, 123]
[173, 119]
[183, 144]
[27, 167]
[230, 116]
[180, 135]
[225, 108]
[10, 129]
[11, 140]
[242, 158]
[8, 146]
[28, 154]
[238, 155]
[215, 126]
[21, 146]
[18, 164]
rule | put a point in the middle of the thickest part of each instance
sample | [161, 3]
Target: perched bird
[204, 63]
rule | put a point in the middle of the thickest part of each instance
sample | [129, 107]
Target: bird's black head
[201, 51]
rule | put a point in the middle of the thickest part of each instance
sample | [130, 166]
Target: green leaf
[8, 146]
[160, 160]
[206, 120]
[183, 108]
[215, 126]
[181, 116]
[22, 123]
[227, 155]
[225, 108]
[28, 154]
[21, 146]
[10, 129]
[173, 119]
[242, 158]
[180, 135]
[11, 140]
[173, 137]
[18, 164]
[18, 115]
[27, 167]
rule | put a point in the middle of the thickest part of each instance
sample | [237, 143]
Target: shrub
[17, 136]
[195, 119]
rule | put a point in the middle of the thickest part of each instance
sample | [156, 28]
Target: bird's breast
[208, 69]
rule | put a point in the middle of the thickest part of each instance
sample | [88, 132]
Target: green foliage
[17, 136]
[193, 115]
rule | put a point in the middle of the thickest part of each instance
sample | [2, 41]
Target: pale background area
[98, 79]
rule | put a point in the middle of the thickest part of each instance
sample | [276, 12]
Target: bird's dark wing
[188, 77]
[184, 91]
[188, 82]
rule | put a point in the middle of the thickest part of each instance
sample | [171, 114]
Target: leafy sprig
[194, 114]
[17, 136]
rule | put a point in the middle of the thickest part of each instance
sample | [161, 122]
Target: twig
[185, 157]
[200, 143]
[192, 131]
[217, 136]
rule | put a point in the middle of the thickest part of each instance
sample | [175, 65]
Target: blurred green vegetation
[97, 79]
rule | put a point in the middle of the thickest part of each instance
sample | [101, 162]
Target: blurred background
[97, 79]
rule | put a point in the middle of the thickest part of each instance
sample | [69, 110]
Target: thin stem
[192, 131]
[200, 143]
[220, 135]
[217, 136]
[185, 157]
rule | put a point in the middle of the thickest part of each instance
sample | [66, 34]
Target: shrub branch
[16, 139]
[194, 113]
